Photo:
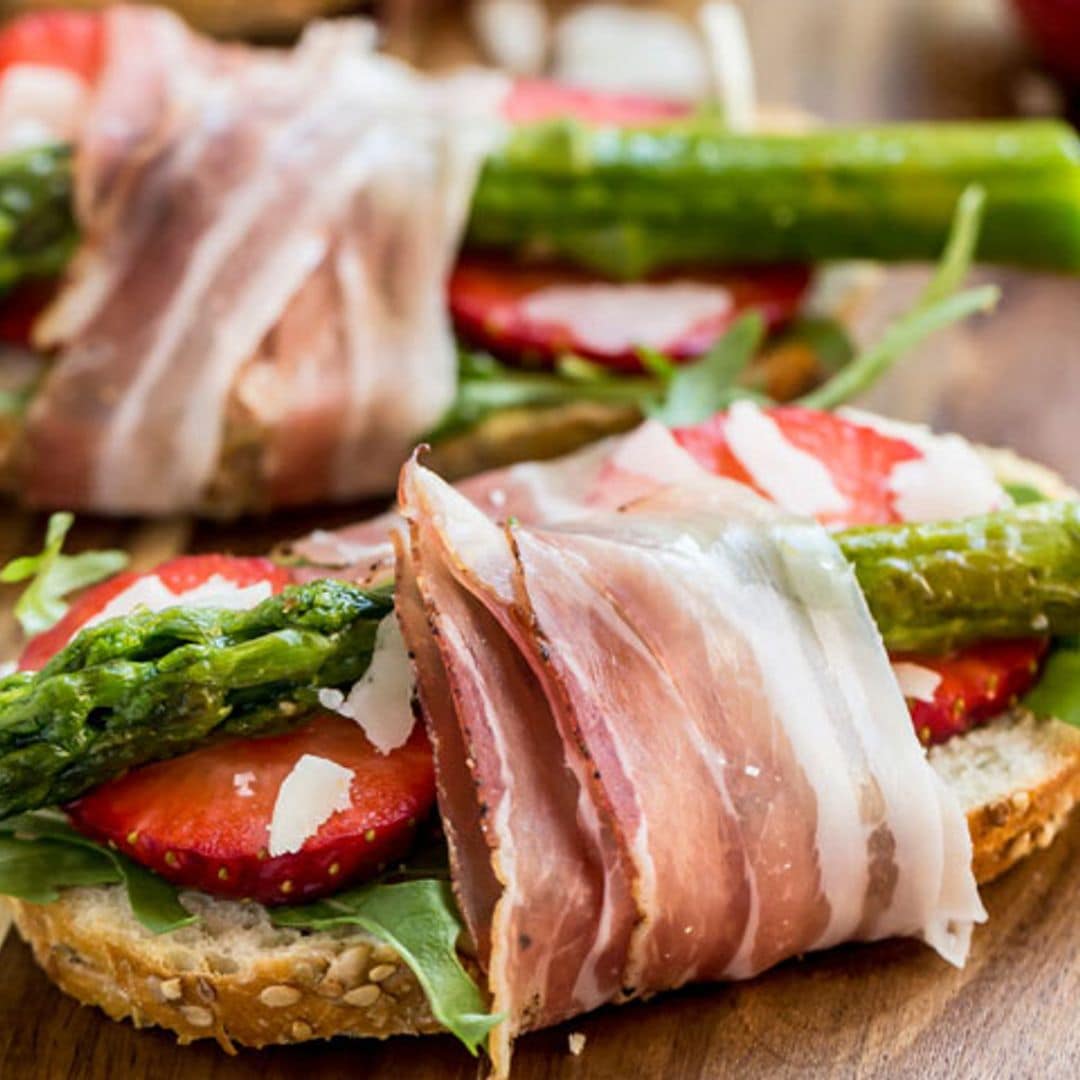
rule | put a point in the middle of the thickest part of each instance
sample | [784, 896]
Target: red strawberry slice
[180, 575]
[202, 820]
[72, 40]
[977, 683]
[540, 313]
[859, 458]
[532, 101]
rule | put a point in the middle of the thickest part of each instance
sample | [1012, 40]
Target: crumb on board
[577, 1043]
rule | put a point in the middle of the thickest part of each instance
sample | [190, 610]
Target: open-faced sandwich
[239, 268]
[692, 701]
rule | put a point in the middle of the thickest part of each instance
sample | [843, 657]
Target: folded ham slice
[669, 744]
[264, 231]
[607, 473]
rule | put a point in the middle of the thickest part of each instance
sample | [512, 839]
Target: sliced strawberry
[180, 575]
[531, 101]
[859, 458]
[72, 40]
[202, 820]
[976, 684]
[541, 313]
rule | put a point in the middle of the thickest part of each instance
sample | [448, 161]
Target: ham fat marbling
[669, 743]
[263, 232]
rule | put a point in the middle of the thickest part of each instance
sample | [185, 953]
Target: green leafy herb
[1023, 494]
[1057, 693]
[486, 386]
[54, 575]
[938, 306]
[421, 921]
[40, 854]
[37, 228]
[694, 392]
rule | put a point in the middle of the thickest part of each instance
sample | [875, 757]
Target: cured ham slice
[669, 745]
[278, 223]
[607, 473]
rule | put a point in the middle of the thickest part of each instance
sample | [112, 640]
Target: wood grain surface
[891, 1010]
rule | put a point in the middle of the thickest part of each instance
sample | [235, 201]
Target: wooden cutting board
[890, 1010]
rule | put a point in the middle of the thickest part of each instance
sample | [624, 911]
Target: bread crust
[319, 988]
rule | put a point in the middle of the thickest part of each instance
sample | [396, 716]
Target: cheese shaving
[950, 480]
[309, 796]
[243, 784]
[616, 318]
[917, 683]
[792, 478]
[381, 701]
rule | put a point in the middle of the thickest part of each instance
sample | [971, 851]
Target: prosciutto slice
[263, 232]
[607, 473]
[669, 746]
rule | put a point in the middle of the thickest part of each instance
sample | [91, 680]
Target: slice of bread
[237, 978]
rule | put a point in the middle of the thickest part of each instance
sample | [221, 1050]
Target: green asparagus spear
[37, 228]
[629, 201]
[154, 685]
[932, 586]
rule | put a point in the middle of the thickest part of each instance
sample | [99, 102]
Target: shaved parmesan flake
[381, 701]
[576, 1042]
[150, 593]
[950, 480]
[8, 667]
[791, 477]
[242, 782]
[616, 318]
[917, 683]
[310, 795]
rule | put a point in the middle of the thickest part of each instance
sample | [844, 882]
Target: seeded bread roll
[237, 978]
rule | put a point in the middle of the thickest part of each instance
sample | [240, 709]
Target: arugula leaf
[938, 306]
[694, 392]
[1057, 693]
[421, 921]
[1023, 494]
[54, 575]
[36, 871]
[40, 854]
[486, 386]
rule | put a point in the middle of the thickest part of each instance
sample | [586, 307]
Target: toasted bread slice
[237, 978]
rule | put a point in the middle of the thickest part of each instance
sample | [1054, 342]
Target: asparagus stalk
[933, 586]
[629, 201]
[37, 228]
[626, 202]
[151, 686]
[154, 685]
